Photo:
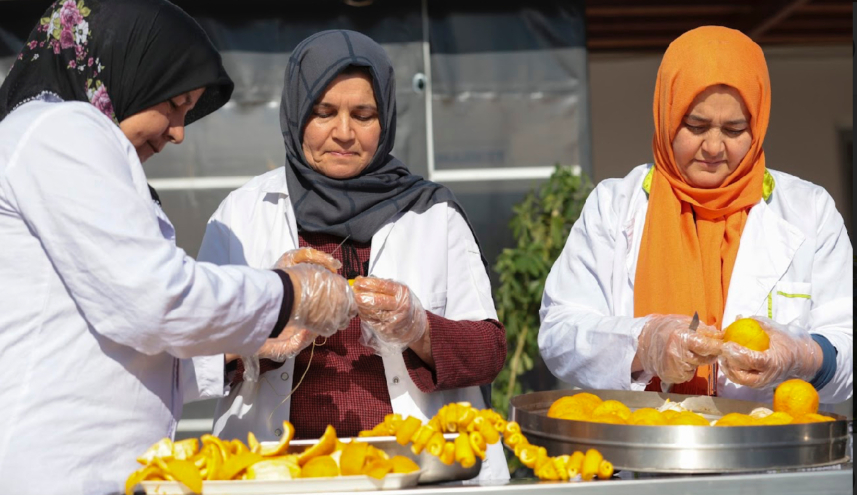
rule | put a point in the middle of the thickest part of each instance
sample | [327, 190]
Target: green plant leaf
[540, 225]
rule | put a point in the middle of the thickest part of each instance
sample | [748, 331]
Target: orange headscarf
[685, 263]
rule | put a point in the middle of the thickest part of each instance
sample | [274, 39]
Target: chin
[706, 182]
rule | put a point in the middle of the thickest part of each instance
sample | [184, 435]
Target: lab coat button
[284, 376]
[278, 432]
[395, 380]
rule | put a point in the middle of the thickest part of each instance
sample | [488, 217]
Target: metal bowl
[683, 449]
[433, 470]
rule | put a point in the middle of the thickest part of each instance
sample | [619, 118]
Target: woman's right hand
[323, 304]
[287, 345]
[671, 351]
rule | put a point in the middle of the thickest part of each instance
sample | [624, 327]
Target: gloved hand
[307, 255]
[392, 317]
[323, 305]
[791, 354]
[668, 349]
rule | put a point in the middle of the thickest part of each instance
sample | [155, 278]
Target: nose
[175, 134]
[343, 130]
[713, 144]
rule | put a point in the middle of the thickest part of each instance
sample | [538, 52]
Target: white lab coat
[795, 243]
[96, 303]
[256, 223]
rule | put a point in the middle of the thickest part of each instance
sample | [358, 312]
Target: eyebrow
[697, 118]
[358, 107]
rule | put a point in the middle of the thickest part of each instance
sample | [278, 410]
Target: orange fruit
[322, 466]
[796, 397]
[574, 407]
[736, 419]
[813, 418]
[326, 445]
[748, 333]
[647, 416]
[353, 457]
[612, 407]
[777, 418]
[608, 417]
[402, 464]
[688, 418]
[670, 414]
[566, 408]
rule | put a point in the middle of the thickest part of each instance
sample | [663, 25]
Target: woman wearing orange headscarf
[706, 229]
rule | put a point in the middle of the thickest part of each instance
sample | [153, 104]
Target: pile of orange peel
[185, 462]
[478, 428]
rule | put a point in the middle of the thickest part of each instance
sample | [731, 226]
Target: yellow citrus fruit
[589, 401]
[736, 419]
[670, 414]
[612, 407]
[796, 397]
[402, 464]
[609, 417]
[566, 408]
[777, 418]
[575, 407]
[748, 333]
[689, 418]
[647, 416]
[322, 466]
[813, 418]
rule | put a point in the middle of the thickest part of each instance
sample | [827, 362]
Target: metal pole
[428, 92]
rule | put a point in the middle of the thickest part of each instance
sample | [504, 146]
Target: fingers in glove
[703, 345]
[376, 285]
[737, 357]
[749, 378]
[308, 255]
[375, 301]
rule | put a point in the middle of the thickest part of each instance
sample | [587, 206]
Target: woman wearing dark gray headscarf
[425, 310]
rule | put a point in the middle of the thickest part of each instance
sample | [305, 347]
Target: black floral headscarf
[122, 56]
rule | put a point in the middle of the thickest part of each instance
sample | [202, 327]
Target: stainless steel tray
[433, 470]
[683, 449]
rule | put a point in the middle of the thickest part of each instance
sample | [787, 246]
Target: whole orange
[748, 333]
[796, 397]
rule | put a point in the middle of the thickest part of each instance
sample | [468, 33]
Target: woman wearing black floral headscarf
[96, 301]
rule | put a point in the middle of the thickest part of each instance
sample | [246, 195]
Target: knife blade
[694, 324]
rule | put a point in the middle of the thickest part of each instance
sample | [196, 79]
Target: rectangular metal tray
[433, 471]
[683, 449]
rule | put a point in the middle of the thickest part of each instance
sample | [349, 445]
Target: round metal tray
[683, 449]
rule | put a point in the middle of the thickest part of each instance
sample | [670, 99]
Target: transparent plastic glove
[251, 368]
[792, 354]
[392, 317]
[668, 349]
[324, 304]
[295, 337]
[308, 255]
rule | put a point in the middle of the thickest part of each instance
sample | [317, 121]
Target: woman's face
[151, 129]
[713, 137]
[343, 130]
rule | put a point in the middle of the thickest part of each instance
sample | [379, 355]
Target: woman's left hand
[307, 255]
[392, 317]
[791, 354]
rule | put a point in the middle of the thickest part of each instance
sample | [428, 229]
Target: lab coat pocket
[791, 302]
[437, 303]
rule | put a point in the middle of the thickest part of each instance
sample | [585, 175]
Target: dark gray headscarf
[361, 205]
